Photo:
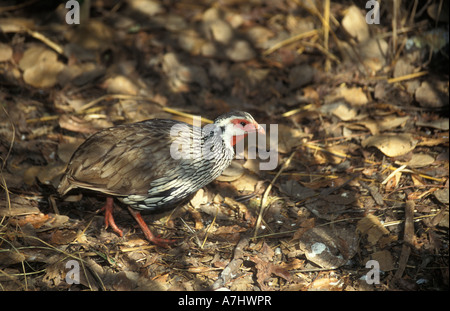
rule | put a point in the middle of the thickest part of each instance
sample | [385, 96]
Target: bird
[155, 164]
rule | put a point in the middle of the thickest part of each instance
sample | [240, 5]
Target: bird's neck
[236, 139]
[219, 136]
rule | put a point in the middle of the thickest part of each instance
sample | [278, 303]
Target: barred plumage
[154, 164]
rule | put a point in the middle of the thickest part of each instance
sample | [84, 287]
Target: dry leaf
[304, 226]
[417, 180]
[121, 85]
[420, 160]
[93, 34]
[41, 67]
[344, 112]
[75, 124]
[247, 182]
[11, 258]
[432, 94]
[442, 195]
[354, 95]
[296, 191]
[325, 284]
[63, 236]
[387, 123]
[36, 220]
[293, 264]
[376, 232]
[440, 124]
[265, 269]
[259, 36]
[300, 75]
[147, 7]
[289, 138]
[68, 147]
[392, 145]
[199, 198]
[16, 24]
[373, 52]
[430, 142]
[385, 260]
[329, 247]
[6, 52]
[232, 173]
[355, 24]
[403, 67]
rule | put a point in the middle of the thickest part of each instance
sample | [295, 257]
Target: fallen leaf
[289, 138]
[372, 52]
[36, 220]
[329, 247]
[353, 95]
[182, 77]
[355, 24]
[300, 75]
[11, 257]
[63, 236]
[6, 52]
[375, 231]
[259, 36]
[387, 123]
[19, 207]
[293, 264]
[68, 147]
[92, 34]
[417, 180]
[246, 182]
[385, 260]
[75, 124]
[329, 207]
[240, 51]
[296, 191]
[149, 8]
[325, 284]
[16, 24]
[41, 67]
[232, 172]
[344, 112]
[304, 226]
[442, 195]
[265, 269]
[403, 67]
[440, 124]
[420, 160]
[430, 142]
[392, 145]
[430, 94]
[120, 84]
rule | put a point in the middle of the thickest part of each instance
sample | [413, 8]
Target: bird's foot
[148, 234]
[109, 219]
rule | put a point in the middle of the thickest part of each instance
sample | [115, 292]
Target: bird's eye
[243, 123]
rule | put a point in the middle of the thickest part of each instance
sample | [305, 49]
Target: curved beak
[261, 129]
[254, 128]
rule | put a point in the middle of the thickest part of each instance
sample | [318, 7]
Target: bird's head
[236, 125]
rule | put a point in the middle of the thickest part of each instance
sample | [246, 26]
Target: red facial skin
[247, 127]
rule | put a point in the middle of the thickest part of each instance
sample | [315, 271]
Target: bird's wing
[125, 159]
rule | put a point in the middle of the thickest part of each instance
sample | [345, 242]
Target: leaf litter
[362, 169]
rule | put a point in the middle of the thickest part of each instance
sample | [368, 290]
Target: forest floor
[356, 112]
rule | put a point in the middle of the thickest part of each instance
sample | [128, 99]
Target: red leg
[148, 234]
[109, 219]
